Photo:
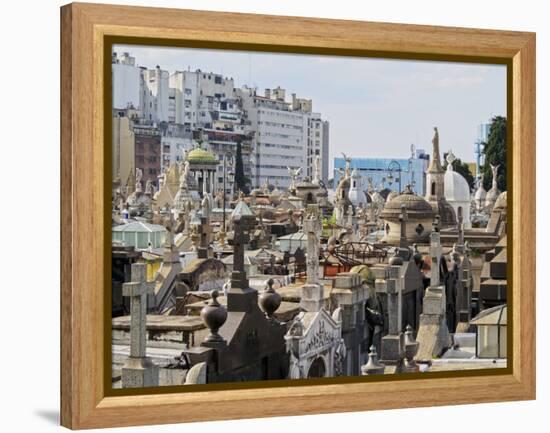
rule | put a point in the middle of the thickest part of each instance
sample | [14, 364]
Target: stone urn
[214, 316]
[270, 300]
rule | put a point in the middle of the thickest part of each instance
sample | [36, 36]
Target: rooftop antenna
[411, 169]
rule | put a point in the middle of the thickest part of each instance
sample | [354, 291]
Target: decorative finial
[214, 316]
[372, 366]
[270, 300]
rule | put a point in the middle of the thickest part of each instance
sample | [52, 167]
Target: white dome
[480, 193]
[456, 187]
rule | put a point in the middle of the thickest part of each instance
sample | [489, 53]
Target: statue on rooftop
[317, 170]
[139, 176]
[494, 170]
[294, 173]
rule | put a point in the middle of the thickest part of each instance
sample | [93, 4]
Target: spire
[435, 163]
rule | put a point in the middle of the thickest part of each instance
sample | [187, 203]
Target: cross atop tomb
[137, 290]
[460, 240]
[435, 254]
[205, 232]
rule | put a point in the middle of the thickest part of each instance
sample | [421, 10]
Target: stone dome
[392, 195]
[457, 192]
[200, 156]
[492, 195]
[417, 224]
[480, 193]
[446, 212]
[456, 187]
[415, 205]
[502, 201]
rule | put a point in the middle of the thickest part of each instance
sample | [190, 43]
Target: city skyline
[418, 95]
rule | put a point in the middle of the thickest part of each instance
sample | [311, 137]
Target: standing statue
[184, 175]
[374, 315]
[370, 185]
[494, 170]
[435, 142]
[205, 207]
[347, 159]
[294, 173]
[317, 170]
[139, 176]
[149, 188]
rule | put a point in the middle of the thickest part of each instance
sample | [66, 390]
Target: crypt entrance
[317, 369]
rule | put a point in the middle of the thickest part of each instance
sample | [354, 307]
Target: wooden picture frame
[84, 29]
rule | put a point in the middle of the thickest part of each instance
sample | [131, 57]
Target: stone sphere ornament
[270, 300]
[214, 316]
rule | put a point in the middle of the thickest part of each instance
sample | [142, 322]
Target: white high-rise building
[194, 96]
[286, 134]
[126, 82]
[155, 94]
[317, 144]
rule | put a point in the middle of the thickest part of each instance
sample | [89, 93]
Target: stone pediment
[320, 332]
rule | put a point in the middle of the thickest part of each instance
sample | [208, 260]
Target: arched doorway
[317, 368]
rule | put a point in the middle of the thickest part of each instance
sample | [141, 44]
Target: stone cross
[241, 238]
[435, 254]
[169, 225]
[460, 241]
[312, 226]
[137, 290]
[204, 232]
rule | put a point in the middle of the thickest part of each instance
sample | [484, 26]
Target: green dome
[200, 156]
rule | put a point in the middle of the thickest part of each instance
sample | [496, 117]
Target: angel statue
[294, 173]
[317, 170]
[347, 159]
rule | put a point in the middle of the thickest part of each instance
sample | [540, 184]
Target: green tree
[495, 153]
[240, 179]
[461, 168]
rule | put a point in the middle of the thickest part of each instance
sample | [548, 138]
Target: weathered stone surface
[392, 348]
[139, 373]
[197, 374]
[312, 298]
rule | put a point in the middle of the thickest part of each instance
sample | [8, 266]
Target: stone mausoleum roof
[415, 205]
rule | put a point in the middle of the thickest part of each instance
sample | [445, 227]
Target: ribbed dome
[414, 204]
[492, 195]
[480, 193]
[456, 187]
[447, 214]
[201, 156]
[392, 195]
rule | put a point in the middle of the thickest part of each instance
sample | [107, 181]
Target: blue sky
[376, 107]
